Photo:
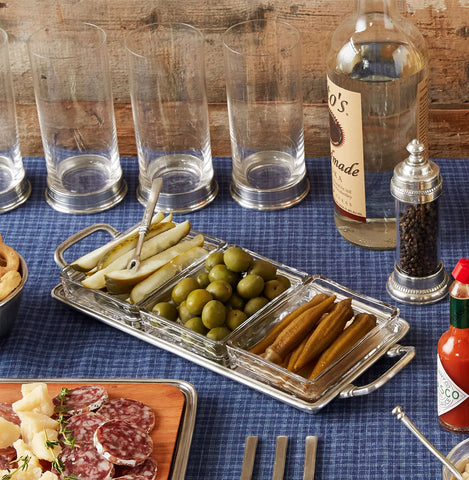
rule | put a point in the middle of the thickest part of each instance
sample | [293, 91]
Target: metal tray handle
[406, 353]
[64, 246]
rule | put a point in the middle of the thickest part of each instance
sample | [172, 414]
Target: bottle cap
[461, 271]
[416, 179]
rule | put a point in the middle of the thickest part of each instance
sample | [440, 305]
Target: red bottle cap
[461, 271]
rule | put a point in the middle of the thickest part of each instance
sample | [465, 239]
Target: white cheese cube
[40, 448]
[9, 433]
[32, 423]
[36, 400]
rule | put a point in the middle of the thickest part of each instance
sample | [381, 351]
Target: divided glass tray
[231, 357]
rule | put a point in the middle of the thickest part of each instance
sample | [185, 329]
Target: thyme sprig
[23, 463]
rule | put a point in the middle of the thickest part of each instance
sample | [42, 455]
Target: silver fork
[280, 457]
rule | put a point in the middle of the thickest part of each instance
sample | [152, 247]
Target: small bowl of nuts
[458, 456]
[13, 276]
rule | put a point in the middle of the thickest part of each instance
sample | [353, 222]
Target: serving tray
[173, 401]
[343, 389]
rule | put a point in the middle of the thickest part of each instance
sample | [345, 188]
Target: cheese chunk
[28, 474]
[29, 387]
[39, 447]
[22, 450]
[9, 433]
[36, 400]
[32, 423]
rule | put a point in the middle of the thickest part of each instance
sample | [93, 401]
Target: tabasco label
[347, 163]
[449, 394]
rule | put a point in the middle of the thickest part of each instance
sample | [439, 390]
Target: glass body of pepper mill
[418, 276]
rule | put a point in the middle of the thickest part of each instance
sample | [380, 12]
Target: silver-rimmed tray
[343, 389]
[179, 427]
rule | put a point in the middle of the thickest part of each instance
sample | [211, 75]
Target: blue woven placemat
[358, 437]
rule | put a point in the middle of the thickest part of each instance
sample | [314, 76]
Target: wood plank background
[444, 24]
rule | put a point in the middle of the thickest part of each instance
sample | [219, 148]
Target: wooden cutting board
[167, 401]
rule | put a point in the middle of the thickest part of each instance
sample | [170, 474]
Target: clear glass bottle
[377, 76]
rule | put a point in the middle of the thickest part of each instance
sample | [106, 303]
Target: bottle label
[449, 394]
[347, 162]
[459, 312]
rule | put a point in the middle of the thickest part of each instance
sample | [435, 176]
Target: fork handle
[280, 457]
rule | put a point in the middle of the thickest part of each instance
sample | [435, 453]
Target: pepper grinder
[418, 276]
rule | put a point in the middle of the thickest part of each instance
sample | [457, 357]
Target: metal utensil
[248, 460]
[144, 226]
[280, 457]
[311, 446]
[401, 415]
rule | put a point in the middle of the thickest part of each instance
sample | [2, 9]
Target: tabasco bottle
[453, 356]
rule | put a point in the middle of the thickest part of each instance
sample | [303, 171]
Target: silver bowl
[458, 456]
[9, 305]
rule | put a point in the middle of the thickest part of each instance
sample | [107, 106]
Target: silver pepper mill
[418, 276]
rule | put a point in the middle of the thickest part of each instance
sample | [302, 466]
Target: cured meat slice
[81, 399]
[7, 412]
[123, 443]
[131, 411]
[131, 477]
[85, 464]
[7, 455]
[81, 427]
[145, 471]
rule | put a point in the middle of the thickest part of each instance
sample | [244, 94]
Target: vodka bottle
[377, 69]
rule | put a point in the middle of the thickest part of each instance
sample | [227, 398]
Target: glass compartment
[374, 344]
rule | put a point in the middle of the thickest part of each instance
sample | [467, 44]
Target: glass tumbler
[14, 186]
[170, 111]
[265, 108]
[72, 84]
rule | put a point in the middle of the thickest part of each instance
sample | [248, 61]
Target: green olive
[196, 300]
[203, 280]
[235, 302]
[273, 288]
[213, 314]
[237, 259]
[284, 280]
[215, 258]
[220, 290]
[221, 272]
[235, 318]
[184, 314]
[255, 304]
[218, 333]
[250, 286]
[183, 288]
[196, 325]
[166, 310]
[263, 268]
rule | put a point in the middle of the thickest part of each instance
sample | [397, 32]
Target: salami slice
[131, 477]
[7, 455]
[7, 412]
[85, 464]
[81, 427]
[131, 411]
[81, 399]
[145, 471]
[123, 443]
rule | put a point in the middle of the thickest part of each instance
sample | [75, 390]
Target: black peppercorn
[418, 240]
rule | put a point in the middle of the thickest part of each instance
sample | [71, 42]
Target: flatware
[280, 457]
[249, 456]
[311, 446]
[401, 415]
[144, 226]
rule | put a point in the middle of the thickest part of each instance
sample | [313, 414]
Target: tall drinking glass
[72, 84]
[265, 106]
[169, 104]
[14, 186]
